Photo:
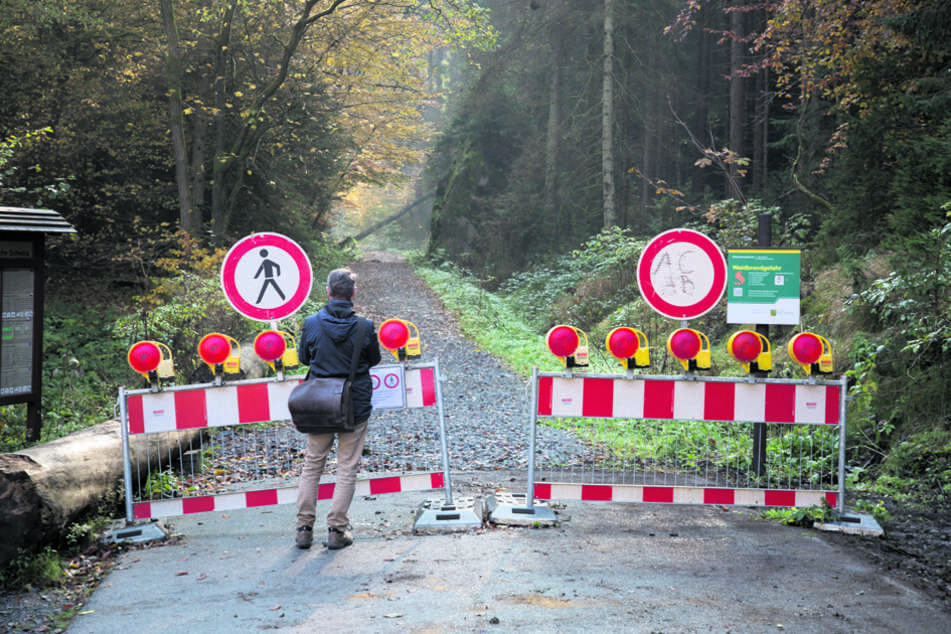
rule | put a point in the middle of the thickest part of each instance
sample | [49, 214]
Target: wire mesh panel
[215, 461]
[678, 453]
[687, 439]
[206, 447]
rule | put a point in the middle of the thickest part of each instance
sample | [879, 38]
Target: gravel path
[486, 405]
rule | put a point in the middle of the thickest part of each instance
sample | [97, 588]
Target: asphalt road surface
[604, 567]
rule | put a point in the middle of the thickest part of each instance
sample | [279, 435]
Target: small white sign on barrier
[389, 387]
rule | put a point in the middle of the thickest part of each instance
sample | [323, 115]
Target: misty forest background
[527, 148]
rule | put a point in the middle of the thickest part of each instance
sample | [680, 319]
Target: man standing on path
[326, 344]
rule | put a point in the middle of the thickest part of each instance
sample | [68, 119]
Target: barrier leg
[514, 509]
[433, 515]
[126, 462]
[843, 398]
[443, 442]
[130, 531]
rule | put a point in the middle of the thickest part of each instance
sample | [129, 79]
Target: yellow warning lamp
[153, 360]
[222, 354]
[690, 347]
[400, 337]
[629, 346]
[569, 344]
[812, 352]
[278, 349]
[752, 350]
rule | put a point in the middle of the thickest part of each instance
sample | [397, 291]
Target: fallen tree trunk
[47, 487]
[392, 218]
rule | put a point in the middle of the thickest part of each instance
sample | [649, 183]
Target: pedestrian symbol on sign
[270, 268]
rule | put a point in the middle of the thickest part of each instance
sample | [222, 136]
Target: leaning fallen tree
[47, 487]
[392, 218]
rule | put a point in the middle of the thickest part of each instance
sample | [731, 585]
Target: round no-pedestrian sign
[682, 274]
[266, 276]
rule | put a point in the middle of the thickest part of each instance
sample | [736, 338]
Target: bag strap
[357, 346]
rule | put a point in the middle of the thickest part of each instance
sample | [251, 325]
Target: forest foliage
[165, 131]
[831, 117]
[836, 113]
[218, 118]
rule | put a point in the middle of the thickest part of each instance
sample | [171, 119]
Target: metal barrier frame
[207, 405]
[776, 402]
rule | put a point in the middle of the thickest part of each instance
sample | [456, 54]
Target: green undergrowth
[75, 558]
[885, 314]
[498, 323]
[489, 320]
[805, 516]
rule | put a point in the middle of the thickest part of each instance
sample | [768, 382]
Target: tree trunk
[737, 92]
[391, 218]
[551, 219]
[223, 160]
[761, 133]
[47, 487]
[607, 119]
[173, 66]
[704, 92]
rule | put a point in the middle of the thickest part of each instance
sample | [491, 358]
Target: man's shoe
[338, 538]
[305, 536]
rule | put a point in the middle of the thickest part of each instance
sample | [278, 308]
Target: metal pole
[843, 397]
[447, 482]
[533, 422]
[764, 239]
[126, 463]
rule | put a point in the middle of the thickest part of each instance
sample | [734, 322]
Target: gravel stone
[485, 404]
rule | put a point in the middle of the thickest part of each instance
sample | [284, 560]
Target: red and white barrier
[420, 387]
[270, 497]
[180, 408]
[242, 402]
[677, 399]
[682, 398]
[682, 495]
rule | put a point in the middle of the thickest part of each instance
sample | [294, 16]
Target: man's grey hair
[340, 283]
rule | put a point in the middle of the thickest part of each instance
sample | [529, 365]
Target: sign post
[266, 276]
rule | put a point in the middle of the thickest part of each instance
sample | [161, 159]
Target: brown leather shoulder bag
[323, 405]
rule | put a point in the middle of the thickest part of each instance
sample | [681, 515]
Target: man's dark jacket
[326, 347]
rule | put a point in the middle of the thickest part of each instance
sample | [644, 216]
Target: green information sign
[763, 286]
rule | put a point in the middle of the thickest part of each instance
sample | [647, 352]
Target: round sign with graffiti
[682, 274]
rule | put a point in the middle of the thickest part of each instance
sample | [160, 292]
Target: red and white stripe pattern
[215, 406]
[270, 497]
[681, 494]
[669, 399]
[420, 387]
[255, 401]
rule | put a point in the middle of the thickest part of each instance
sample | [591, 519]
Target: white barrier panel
[270, 497]
[688, 440]
[261, 400]
[681, 495]
[672, 398]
